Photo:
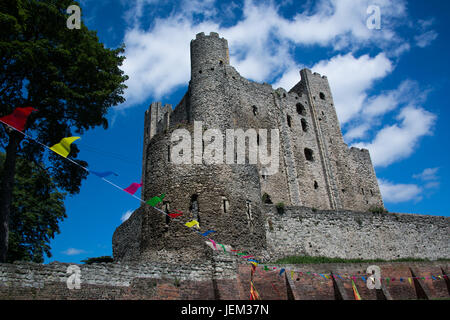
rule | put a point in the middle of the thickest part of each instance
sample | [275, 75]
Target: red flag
[18, 118]
[177, 214]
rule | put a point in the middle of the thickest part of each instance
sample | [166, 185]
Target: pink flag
[18, 118]
[214, 244]
[133, 188]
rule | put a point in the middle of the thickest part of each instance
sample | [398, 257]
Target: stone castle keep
[327, 190]
[326, 187]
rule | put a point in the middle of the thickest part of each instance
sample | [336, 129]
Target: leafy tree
[36, 210]
[68, 75]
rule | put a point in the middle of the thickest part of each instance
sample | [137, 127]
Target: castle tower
[315, 168]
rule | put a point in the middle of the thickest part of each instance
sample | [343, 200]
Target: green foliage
[68, 75]
[36, 210]
[377, 209]
[280, 205]
[266, 199]
[101, 259]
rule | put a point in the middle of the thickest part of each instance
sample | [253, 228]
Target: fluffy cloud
[261, 42]
[350, 78]
[126, 215]
[396, 193]
[397, 141]
[73, 252]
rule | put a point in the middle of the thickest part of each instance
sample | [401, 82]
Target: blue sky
[389, 86]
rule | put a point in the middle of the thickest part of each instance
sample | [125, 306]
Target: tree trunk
[6, 190]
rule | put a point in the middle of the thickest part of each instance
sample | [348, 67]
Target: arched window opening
[194, 209]
[168, 154]
[166, 206]
[301, 109]
[322, 96]
[289, 121]
[316, 185]
[309, 154]
[304, 125]
[225, 205]
[255, 110]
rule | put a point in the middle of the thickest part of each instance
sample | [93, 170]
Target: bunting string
[17, 121]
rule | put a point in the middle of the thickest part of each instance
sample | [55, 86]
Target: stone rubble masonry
[338, 182]
[220, 280]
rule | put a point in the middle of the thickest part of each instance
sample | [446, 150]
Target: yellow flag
[192, 223]
[63, 147]
[410, 282]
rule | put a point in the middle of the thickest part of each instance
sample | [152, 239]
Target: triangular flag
[207, 232]
[223, 247]
[410, 282]
[213, 243]
[133, 188]
[18, 118]
[192, 223]
[281, 272]
[63, 147]
[292, 275]
[155, 200]
[176, 214]
[355, 291]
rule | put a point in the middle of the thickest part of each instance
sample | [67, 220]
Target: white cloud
[397, 141]
[396, 193]
[427, 174]
[261, 44]
[350, 78]
[73, 252]
[126, 215]
[423, 40]
[377, 106]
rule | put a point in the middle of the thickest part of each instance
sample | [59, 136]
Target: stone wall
[223, 279]
[355, 235]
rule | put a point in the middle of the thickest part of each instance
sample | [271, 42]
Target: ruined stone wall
[303, 231]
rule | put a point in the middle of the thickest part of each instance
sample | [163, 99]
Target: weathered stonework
[228, 197]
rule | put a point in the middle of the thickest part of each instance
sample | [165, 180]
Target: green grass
[308, 260]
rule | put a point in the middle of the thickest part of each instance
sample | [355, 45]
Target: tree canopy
[68, 75]
[36, 210]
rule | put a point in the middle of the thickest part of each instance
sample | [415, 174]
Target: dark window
[362, 191]
[255, 110]
[194, 207]
[220, 62]
[167, 210]
[316, 185]
[200, 71]
[257, 139]
[309, 154]
[371, 193]
[225, 205]
[168, 153]
[304, 125]
[322, 96]
[289, 120]
[301, 109]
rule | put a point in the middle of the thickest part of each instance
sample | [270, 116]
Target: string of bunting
[17, 121]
